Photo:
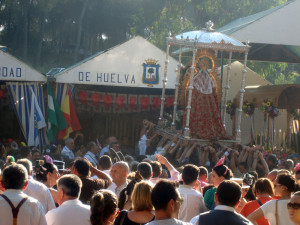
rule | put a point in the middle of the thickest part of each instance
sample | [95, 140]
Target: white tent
[12, 69]
[125, 65]
[279, 26]
[273, 34]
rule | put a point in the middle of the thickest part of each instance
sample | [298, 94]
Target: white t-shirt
[69, 212]
[193, 203]
[283, 214]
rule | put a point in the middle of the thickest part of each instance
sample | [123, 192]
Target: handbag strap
[276, 212]
[259, 202]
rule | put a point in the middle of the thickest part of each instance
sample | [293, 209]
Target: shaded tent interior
[285, 96]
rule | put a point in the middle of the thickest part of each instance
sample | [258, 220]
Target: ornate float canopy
[208, 38]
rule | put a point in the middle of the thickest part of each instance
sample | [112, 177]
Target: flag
[56, 119]
[68, 110]
[36, 121]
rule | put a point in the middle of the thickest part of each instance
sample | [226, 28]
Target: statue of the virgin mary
[205, 117]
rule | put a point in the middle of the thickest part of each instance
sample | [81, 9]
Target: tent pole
[176, 91]
[188, 107]
[161, 115]
[226, 86]
[242, 91]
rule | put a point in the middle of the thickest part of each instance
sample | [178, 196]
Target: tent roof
[267, 33]
[252, 78]
[283, 96]
[13, 69]
[123, 65]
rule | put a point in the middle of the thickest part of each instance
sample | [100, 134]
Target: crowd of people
[165, 179]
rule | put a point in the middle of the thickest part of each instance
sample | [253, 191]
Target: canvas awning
[285, 96]
[134, 63]
[273, 34]
[13, 69]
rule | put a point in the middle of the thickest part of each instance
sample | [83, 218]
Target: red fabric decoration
[1, 93]
[120, 101]
[83, 97]
[107, 99]
[169, 102]
[95, 98]
[145, 103]
[297, 167]
[156, 102]
[220, 162]
[132, 102]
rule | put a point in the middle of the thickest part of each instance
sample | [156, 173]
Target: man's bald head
[119, 172]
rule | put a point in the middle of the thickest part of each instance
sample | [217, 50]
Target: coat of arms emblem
[150, 74]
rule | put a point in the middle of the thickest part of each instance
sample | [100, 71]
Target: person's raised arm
[99, 173]
[169, 166]
[242, 154]
[263, 161]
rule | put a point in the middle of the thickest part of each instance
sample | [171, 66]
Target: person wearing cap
[247, 191]
[226, 199]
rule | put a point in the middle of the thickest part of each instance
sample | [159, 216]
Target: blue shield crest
[150, 74]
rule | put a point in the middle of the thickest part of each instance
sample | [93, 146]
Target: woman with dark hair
[219, 173]
[104, 208]
[264, 191]
[142, 208]
[48, 175]
[275, 211]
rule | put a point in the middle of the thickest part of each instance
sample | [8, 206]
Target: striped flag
[56, 119]
[36, 121]
[68, 110]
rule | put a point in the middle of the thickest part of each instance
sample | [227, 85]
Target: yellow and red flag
[69, 113]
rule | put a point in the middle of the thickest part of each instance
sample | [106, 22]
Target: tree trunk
[25, 38]
[79, 31]
[40, 45]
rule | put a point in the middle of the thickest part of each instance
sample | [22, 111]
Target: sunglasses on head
[293, 205]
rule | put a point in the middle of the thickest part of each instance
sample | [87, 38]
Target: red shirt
[251, 206]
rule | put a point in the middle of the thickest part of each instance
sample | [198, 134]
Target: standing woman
[264, 191]
[104, 208]
[48, 175]
[142, 208]
[275, 211]
[219, 173]
[294, 208]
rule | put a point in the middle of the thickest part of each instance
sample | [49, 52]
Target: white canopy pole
[163, 95]
[188, 107]
[242, 91]
[176, 91]
[227, 87]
